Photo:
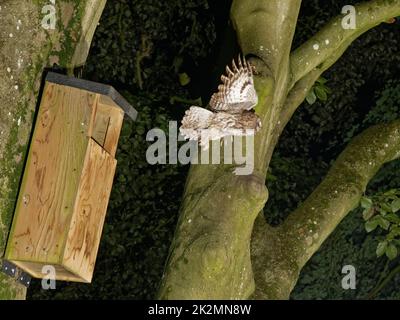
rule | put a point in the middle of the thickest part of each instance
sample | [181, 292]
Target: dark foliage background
[148, 49]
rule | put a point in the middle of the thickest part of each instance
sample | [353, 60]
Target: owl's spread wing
[236, 93]
[224, 124]
[195, 120]
[203, 125]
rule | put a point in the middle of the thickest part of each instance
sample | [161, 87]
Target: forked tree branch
[265, 29]
[319, 53]
[210, 256]
[333, 37]
[340, 192]
[278, 256]
[300, 90]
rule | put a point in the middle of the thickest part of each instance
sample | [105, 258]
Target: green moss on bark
[35, 46]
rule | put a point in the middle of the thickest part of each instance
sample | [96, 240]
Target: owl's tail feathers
[195, 120]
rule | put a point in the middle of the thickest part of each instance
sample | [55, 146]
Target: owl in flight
[231, 107]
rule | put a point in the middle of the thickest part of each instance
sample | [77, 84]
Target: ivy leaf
[395, 205]
[366, 203]
[383, 223]
[383, 212]
[391, 192]
[327, 90]
[371, 225]
[368, 213]
[381, 249]
[321, 93]
[386, 207]
[311, 97]
[391, 251]
[394, 232]
[322, 80]
[184, 79]
[393, 218]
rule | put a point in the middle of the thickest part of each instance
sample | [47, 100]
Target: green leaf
[322, 80]
[395, 231]
[311, 97]
[391, 251]
[393, 218]
[386, 207]
[321, 93]
[391, 192]
[382, 212]
[366, 203]
[381, 249]
[371, 225]
[184, 79]
[383, 223]
[327, 90]
[368, 213]
[393, 234]
[395, 205]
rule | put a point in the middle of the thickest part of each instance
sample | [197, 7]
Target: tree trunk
[223, 247]
[27, 46]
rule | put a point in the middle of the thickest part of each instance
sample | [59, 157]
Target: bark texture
[26, 48]
[223, 248]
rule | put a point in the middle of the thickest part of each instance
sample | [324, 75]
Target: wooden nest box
[67, 181]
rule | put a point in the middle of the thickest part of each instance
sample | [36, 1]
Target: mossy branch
[278, 254]
[307, 227]
[210, 253]
[334, 38]
[299, 92]
[266, 29]
[210, 256]
[308, 64]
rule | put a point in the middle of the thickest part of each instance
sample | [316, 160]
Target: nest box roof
[95, 87]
